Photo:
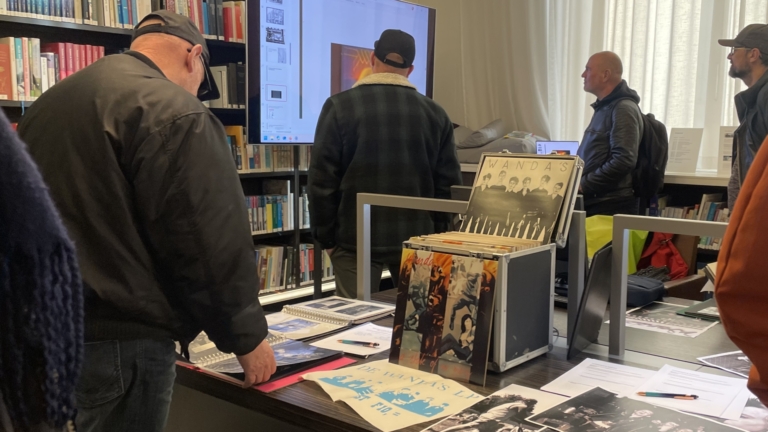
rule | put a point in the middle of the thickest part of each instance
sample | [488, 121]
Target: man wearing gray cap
[140, 172]
[749, 61]
[381, 136]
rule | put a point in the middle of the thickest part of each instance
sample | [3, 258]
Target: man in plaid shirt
[382, 136]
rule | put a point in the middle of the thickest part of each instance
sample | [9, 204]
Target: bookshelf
[115, 40]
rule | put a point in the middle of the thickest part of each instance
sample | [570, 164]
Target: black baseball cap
[751, 36]
[395, 42]
[182, 27]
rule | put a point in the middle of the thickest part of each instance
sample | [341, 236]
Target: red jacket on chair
[662, 252]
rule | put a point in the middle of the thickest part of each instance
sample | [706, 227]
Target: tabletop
[305, 404]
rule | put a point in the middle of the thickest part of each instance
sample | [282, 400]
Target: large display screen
[300, 52]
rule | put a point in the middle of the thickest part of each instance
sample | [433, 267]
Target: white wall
[448, 84]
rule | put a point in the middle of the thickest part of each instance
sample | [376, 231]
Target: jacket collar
[748, 98]
[621, 91]
[385, 79]
[145, 60]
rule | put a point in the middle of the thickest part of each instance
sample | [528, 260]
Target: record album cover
[444, 314]
[519, 197]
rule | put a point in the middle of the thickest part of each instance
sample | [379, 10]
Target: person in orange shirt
[740, 285]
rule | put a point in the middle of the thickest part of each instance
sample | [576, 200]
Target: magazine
[391, 397]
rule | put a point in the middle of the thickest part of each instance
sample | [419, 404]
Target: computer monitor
[562, 147]
[594, 302]
[299, 53]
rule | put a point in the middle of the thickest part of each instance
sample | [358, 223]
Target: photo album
[291, 356]
[318, 317]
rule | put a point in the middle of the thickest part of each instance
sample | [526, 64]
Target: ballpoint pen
[360, 343]
[668, 395]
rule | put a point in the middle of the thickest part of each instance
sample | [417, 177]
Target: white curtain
[521, 61]
[670, 54]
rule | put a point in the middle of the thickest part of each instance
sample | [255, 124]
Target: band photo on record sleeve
[600, 410]
[518, 198]
[505, 410]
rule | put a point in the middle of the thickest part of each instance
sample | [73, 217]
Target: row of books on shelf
[255, 158]
[711, 208]
[230, 79]
[216, 19]
[276, 266]
[29, 68]
[275, 212]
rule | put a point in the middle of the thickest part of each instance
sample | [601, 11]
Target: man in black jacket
[610, 144]
[749, 62]
[381, 136]
[140, 171]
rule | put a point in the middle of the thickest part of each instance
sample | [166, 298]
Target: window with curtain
[670, 54]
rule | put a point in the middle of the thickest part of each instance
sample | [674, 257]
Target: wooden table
[306, 405]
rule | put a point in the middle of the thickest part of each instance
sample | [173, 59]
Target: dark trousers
[345, 270]
[611, 207]
[126, 386]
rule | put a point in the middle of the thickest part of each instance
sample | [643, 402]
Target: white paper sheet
[736, 408]
[725, 151]
[368, 332]
[716, 393]
[684, 146]
[620, 379]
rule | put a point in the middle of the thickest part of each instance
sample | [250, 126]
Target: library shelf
[276, 234]
[270, 174]
[296, 293]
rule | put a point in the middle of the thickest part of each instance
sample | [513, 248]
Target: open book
[291, 356]
[323, 316]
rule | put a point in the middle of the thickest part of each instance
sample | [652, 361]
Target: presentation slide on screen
[313, 49]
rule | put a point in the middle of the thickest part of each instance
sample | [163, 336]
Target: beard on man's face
[736, 72]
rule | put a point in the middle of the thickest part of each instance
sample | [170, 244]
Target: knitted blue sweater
[41, 312]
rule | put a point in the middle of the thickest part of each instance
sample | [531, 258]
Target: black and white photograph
[600, 410]
[328, 304]
[275, 35]
[358, 310]
[754, 418]
[663, 318]
[734, 362]
[293, 352]
[275, 16]
[518, 197]
[505, 410]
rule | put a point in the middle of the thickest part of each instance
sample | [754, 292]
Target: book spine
[6, 80]
[220, 19]
[25, 51]
[20, 85]
[71, 65]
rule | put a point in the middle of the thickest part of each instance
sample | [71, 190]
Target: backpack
[652, 156]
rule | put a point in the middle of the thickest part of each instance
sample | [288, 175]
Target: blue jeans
[126, 386]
